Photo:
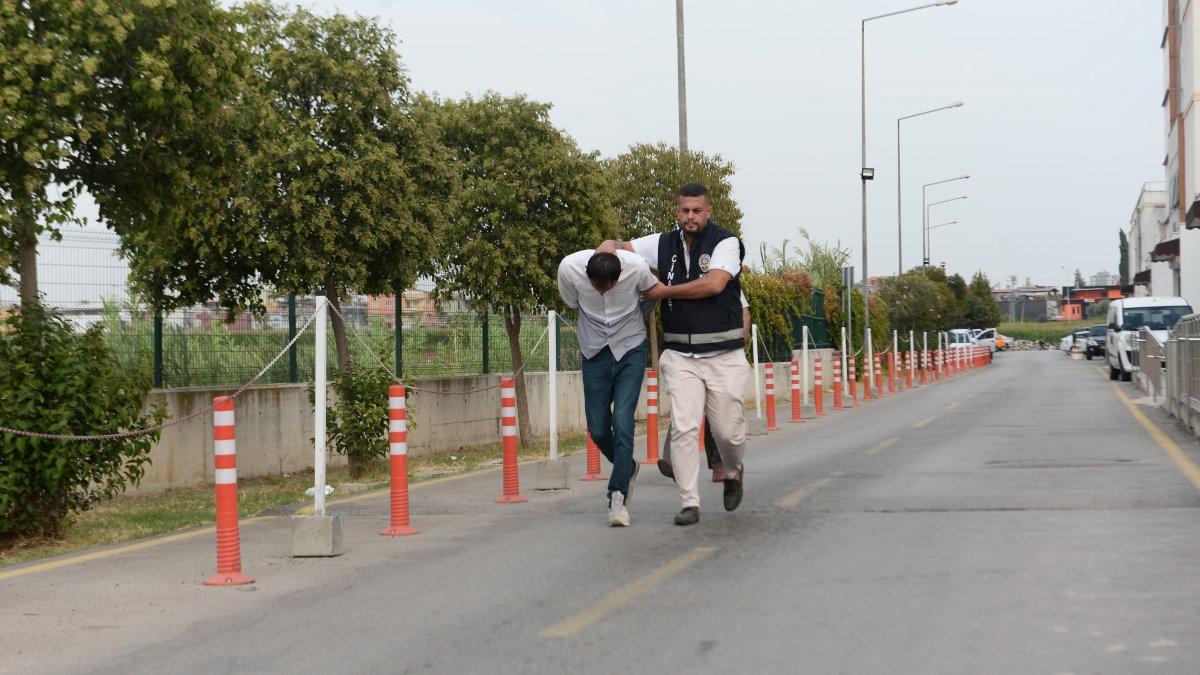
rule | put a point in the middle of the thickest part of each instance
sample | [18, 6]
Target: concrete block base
[807, 412]
[757, 426]
[554, 475]
[317, 536]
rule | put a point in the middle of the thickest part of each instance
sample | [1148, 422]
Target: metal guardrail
[1182, 370]
[1149, 360]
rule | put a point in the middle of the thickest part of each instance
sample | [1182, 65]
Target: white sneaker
[618, 515]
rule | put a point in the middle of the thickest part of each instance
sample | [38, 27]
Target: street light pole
[924, 213]
[934, 227]
[866, 173]
[683, 142]
[925, 234]
[899, 211]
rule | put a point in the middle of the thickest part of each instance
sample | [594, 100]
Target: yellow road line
[883, 446]
[799, 495]
[1187, 466]
[925, 421]
[626, 594]
[118, 550]
[952, 406]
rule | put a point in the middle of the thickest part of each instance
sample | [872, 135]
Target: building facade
[1182, 123]
[1150, 227]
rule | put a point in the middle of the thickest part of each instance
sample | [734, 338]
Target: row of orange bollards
[938, 365]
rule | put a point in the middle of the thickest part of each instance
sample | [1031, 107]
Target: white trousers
[715, 387]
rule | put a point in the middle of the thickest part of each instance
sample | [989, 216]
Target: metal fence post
[293, 374]
[158, 350]
[399, 311]
[487, 363]
[557, 350]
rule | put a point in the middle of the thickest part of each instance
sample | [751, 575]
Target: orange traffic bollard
[818, 388]
[651, 417]
[837, 382]
[508, 437]
[878, 376]
[398, 459]
[769, 368]
[796, 391]
[229, 547]
[853, 382]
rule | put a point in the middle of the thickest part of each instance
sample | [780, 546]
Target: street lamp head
[956, 104]
[964, 177]
[947, 2]
[867, 173]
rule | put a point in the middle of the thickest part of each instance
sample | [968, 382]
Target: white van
[1126, 317]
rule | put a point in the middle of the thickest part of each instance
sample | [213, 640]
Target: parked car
[986, 338]
[1095, 340]
[1078, 339]
[1129, 315]
[1065, 343]
[959, 338]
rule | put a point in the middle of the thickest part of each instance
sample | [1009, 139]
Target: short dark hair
[694, 190]
[604, 268]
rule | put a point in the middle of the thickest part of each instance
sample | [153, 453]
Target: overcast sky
[1061, 126]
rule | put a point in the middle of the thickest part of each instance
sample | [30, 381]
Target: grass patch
[128, 518]
[1050, 331]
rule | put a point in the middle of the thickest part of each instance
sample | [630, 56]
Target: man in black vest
[703, 363]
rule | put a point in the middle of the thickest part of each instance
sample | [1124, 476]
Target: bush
[357, 424]
[55, 380]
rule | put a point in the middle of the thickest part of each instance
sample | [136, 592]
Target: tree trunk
[342, 346]
[340, 343]
[28, 260]
[652, 329]
[512, 324]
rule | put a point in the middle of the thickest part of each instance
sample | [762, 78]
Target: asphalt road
[1016, 519]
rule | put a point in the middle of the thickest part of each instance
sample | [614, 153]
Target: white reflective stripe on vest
[704, 338]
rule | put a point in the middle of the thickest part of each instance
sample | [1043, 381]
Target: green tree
[644, 180]
[529, 197]
[126, 99]
[353, 187]
[918, 303]
[1079, 282]
[1123, 249]
[980, 309]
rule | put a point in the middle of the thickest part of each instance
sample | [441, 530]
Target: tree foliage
[1123, 250]
[645, 179]
[918, 303]
[127, 99]
[979, 308]
[528, 198]
[57, 381]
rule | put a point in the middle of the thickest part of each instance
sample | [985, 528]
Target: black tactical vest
[712, 324]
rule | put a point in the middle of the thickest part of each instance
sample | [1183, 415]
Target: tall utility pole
[866, 173]
[683, 144]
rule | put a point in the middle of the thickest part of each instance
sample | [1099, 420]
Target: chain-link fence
[83, 277]
[86, 280]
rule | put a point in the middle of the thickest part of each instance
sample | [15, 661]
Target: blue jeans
[610, 395]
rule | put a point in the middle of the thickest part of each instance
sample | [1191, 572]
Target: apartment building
[1181, 32]
[1153, 245]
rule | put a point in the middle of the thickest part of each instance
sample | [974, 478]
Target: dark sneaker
[733, 491]
[690, 515]
[629, 488]
[665, 468]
